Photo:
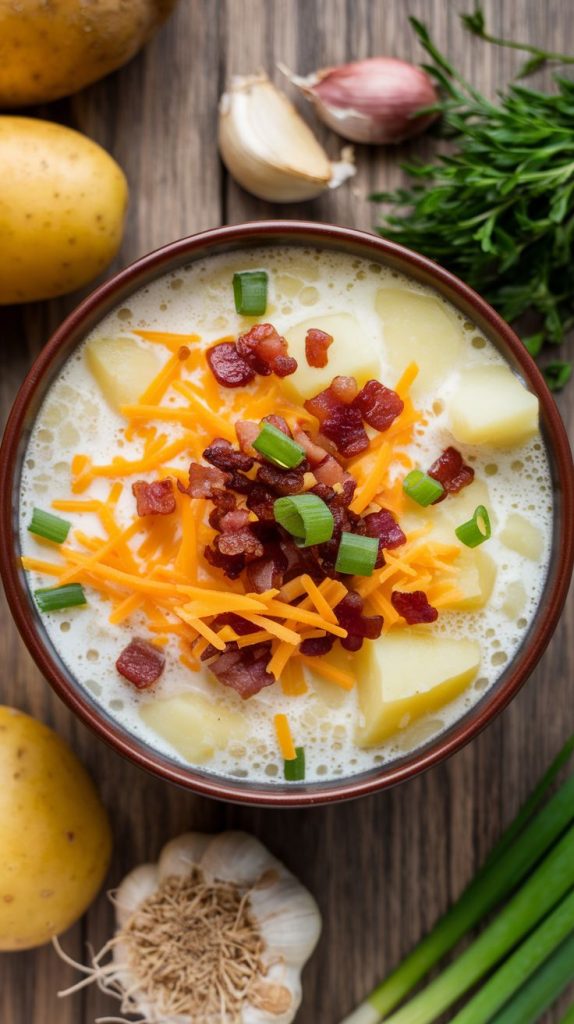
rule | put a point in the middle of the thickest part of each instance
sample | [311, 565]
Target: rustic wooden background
[384, 868]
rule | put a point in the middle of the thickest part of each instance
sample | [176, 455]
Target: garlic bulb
[269, 149]
[371, 100]
[177, 921]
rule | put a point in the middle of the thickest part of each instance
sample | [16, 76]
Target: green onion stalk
[521, 847]
[541, 989]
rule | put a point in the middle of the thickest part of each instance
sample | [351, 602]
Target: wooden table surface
[383, 868]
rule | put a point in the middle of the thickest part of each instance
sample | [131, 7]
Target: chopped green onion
[357, 555]
[540, 991]
[53, 599]
[306, 517]
[278, 448]
[520, 847]
[557, 374]
[477, 530]
[44, 524]
[250, 292]
[422, 488]
[294, 771]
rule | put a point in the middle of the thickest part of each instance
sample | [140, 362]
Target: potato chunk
[407, 674]
[474, 581]
[354, 353]
[514, 599]
[520, 535]
[122, 368]
[418, 328]
[491, 406]
[195, 726]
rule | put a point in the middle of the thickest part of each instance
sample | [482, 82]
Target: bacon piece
[260, 501]
[153, 499]
[383, 525]
[247, 431]
[141, 663]
[330, 472]
[340, 422]
[240, 625]
[224, 501]
[265, 351]
[316, 645]
[359, 627]
[240, 542]
[379, 406]
[413, 606]
[232, 566]
[222, 454]
[239, 482]
[234, 520]
[316, 344]
[268, 571]
[279, 423]
[227, 366]
[345, 389]
[452, 472]
[281, 481]
[315, 454]
[183, 353]
[300, 561]
[245, 670]
[204, 481]
[324, 492]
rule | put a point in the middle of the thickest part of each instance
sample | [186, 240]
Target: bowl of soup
[287, 513]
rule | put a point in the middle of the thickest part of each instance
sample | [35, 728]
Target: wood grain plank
[384, 868]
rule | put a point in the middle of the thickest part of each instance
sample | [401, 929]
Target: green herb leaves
[498, 210]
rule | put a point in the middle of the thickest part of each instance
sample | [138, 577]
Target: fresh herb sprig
[499, 210]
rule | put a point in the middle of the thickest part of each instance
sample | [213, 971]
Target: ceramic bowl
[117, 291]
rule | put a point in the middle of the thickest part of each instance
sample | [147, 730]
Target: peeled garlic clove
[237, 857]
[135, 888]
[371, 100]
[269, 149]
[182, 854]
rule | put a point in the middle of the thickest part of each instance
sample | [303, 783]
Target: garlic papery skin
[177, 920]
[373, 101]
[269, 149]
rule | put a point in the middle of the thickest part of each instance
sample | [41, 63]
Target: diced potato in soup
[271, 559]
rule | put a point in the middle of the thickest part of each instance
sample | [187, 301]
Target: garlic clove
[180, 855]
[135, 888]
[268, 148]
[372, 101]
[288, 919]
[238, 857]
[276, 998]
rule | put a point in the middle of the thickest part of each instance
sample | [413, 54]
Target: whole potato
[62, 207]
[55, 838]
[51, 49]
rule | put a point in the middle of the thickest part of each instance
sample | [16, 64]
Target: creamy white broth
[75, 417]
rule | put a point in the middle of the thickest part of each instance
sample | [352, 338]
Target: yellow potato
[354, 352]
[54, 834]
[62, 206]
[48, 50]
[122, 368]
[196, 727]
[492, 406]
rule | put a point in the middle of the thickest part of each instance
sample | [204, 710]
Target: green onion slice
[306, 517]
[294, 771]
[477, 530]
[53, 599]
[422, 488]
[250, 292]
[357, 555]
[44, 524]
[278, 448]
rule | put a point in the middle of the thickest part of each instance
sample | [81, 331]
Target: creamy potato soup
[353, 562]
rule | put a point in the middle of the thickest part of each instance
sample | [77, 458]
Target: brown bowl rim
[412, 764]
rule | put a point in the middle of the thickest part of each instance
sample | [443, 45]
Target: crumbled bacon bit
[279, 423]
[239, 482]
[183, 353]
[223, 502]
[413, 606]
[300, 561]
[324, 492]
[222, 454]
[452, 472]
[383, 525]
[240, 625]
[379, 406]
[141, 663]
[232, 566]
[316, 344]
[268, 571]
[204, 481]
[315, 454]
[245, 670]
[359, 627]
[340, 422]
[330, 472]
[316, 645]
[239, 542]
[233, 520]
[344, 389]
[281, 481]
[260, 501]
[265, 351]
[156, 498]
[227, 366]
[247, 431]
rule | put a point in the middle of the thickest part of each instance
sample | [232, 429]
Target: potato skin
[48, 50]
[54, 834]
[62, 207]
